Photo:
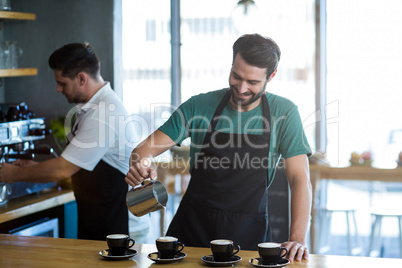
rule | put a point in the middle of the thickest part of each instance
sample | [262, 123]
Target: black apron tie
[101, 202]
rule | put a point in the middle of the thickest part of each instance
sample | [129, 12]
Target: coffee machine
[20, 133]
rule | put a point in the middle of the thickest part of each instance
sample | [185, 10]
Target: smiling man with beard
[225, 199]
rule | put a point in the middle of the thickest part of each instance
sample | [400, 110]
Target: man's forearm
[155, 144]
[141, 153]
[301, 200]
[46, 171]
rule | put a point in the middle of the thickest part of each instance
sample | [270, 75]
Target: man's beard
[77, 98]
[240, 102]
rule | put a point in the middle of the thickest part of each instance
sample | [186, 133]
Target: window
[207, 36]
[364, 61]
[146, 62]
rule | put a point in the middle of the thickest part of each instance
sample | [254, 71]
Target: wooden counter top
[30, 204]
[366, 173]
[24, 251]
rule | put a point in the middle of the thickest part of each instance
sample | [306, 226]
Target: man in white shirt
[96, 156]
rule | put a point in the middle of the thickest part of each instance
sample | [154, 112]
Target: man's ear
[82, 78]
[272, 75]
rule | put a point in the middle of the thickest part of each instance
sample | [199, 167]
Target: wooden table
[360, 173]
[25, 251]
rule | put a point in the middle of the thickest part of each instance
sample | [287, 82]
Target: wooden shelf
[11, 15]
[18, 72]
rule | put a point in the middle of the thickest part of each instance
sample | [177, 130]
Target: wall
[57, 23]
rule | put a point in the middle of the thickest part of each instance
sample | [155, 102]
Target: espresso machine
[20, 133]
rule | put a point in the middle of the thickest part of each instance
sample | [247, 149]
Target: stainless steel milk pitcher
[147, 198]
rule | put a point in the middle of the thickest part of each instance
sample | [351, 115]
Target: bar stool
[376, 228]
[385, 198]
[325, 215]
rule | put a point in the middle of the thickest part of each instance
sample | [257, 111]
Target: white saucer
[129, 254]
[154, 256]
[257, 263]
[209, 259]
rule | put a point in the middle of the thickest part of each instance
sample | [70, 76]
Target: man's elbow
[66, 172]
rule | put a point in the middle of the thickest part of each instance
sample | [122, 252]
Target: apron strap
[267, 115]
[219, 110]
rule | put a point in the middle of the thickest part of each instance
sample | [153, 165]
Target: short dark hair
[258, 51]
[74, 58]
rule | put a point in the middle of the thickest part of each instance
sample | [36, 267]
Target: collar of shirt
[94, 101]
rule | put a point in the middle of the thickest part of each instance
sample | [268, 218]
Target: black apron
[101, 202]
[227, 198]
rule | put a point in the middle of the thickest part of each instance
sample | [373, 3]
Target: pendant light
[245, 17]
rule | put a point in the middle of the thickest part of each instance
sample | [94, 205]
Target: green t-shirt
[193, 117]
